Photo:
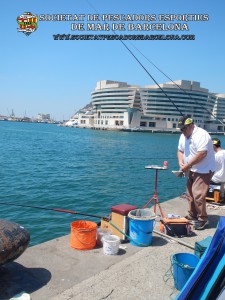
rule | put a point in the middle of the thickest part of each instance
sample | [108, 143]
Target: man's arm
[180, 156]
[196, 159]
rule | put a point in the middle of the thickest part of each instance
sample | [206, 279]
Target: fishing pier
[53, 270]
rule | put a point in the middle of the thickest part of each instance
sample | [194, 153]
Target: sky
[41, 75]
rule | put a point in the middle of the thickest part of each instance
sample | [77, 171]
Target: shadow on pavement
[15, 278]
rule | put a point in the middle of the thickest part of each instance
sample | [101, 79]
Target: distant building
[118, 105]
[115, 104]
[219, 113]
[43, 117]
[162, 105]
[3, 118]
[82, 118]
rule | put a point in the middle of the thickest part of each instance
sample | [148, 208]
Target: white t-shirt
[219, 175]
[200, 140]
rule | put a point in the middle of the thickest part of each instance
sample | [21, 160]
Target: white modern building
[164, 104]
[43, 117]
[115, 104]
[118, 105]
[218, 123]
[84, 118]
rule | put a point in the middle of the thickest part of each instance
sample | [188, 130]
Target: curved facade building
[219, 107]
[114, 104]
[164, 104]
[122, 106]
[118, 105]
[218, 124]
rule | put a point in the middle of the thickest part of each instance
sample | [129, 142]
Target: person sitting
[219, 175]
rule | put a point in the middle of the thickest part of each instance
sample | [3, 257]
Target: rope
[169, 275]
[179, 264]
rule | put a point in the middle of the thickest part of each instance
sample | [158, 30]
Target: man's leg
[222, 190]
[199, 189]
[191, 205]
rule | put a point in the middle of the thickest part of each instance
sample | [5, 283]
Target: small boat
[14, 240]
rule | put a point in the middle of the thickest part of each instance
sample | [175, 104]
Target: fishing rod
[155, 231]
[178, 86]
[173, 239]
[177, 108]
[55, 209]
[183, 90]
[152, 78]
[174, 104]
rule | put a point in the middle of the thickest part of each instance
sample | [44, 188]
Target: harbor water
[83, 170]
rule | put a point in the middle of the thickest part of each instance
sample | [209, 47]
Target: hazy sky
[42, 75]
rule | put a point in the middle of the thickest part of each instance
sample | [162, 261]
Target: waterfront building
[216, 124]
[3, 118]
[119, 106]
[43, 118]
[163, 105]
[82, 118]
[73, 121]
[115, 104]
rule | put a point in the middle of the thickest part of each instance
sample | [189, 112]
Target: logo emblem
[27, 23]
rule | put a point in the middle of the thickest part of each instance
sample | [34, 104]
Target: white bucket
[101, 232]
[110, 244]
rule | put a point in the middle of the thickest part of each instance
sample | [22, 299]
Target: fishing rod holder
[155, 198]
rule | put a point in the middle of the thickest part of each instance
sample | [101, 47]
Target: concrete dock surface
[53, 270]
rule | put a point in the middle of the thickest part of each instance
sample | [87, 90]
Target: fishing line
[55, 209]
[140, 63]
[211, 113]
[152, 78]
[145, 158]
[183, 90]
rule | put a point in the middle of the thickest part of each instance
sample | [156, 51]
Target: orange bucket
[83, 235]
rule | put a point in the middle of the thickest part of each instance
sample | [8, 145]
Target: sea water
[82, 170]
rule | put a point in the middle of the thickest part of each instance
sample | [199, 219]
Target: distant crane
[12, 115]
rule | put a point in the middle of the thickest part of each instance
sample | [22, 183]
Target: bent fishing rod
[139, 62]
[56, 209]
[178, 86]
[182, 89]
[162, 90]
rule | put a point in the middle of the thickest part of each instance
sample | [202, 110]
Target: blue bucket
[141, 223]
[183, 266]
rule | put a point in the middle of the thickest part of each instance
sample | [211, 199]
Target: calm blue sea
[82, 170]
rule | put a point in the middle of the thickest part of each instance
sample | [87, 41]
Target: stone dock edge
[53, 270]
